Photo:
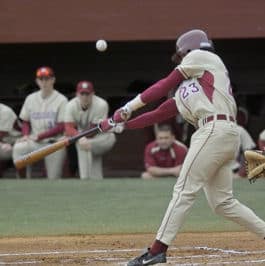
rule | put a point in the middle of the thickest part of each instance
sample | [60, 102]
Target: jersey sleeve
[192, 65]
[148, 157]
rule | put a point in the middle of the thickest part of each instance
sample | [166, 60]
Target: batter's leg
[54, 164]
[190, 181]
[201, 164]
[218, 191]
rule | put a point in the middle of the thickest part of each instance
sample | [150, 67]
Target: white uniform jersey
[7, 120]
[43, 113]
[97, 111]
[206, 90]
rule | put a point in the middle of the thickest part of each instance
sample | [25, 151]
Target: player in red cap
[82, 111]
[42, 114]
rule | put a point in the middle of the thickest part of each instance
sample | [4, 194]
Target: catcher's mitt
[255, 164]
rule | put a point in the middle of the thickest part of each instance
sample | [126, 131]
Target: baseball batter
[204, 98]
[83, 111]
[42, 114]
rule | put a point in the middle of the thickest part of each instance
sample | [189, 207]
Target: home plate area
[223, 248]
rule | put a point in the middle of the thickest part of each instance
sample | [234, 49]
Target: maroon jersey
[155, 156]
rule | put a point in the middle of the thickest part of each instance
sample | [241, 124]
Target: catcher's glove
[255, 164]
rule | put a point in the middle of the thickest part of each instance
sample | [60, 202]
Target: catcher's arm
[255, 164]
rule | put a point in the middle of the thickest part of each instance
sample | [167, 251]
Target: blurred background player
[164, 156]
[83, 111]
[42, 114]
[10, 131]
[261, 140]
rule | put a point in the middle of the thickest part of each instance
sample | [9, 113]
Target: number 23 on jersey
[188, 90]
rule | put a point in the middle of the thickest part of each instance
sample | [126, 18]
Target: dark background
[124, 70]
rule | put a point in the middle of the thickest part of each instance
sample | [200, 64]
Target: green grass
[43, 207]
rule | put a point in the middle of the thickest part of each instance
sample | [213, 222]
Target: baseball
[101, 45]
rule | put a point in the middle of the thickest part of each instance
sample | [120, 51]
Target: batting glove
[123, 114]
[106, 124]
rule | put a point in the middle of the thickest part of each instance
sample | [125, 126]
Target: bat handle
[87, 133]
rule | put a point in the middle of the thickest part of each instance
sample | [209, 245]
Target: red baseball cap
[85, 86]
[44, 71]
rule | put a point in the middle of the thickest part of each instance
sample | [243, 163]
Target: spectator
[9, 132]
[246, 143]
[42, 114]
[83, 111]
[164, 156]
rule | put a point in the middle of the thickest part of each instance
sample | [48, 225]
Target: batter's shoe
[148, 259]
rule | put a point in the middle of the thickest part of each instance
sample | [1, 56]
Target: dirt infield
[236, 248]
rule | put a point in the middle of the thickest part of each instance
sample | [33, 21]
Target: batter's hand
[106, 124]
[122, 114]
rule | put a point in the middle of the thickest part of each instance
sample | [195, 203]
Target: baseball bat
[39, 154]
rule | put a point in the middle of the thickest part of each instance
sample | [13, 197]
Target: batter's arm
[165, 111]
[162, 87]
[153, 93]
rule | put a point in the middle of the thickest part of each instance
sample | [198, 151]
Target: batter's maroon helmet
[191, 40]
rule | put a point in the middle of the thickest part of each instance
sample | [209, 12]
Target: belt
[217, 117]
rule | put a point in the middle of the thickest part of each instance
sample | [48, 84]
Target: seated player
[42, 114]
[81, 112]
[164, 156]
